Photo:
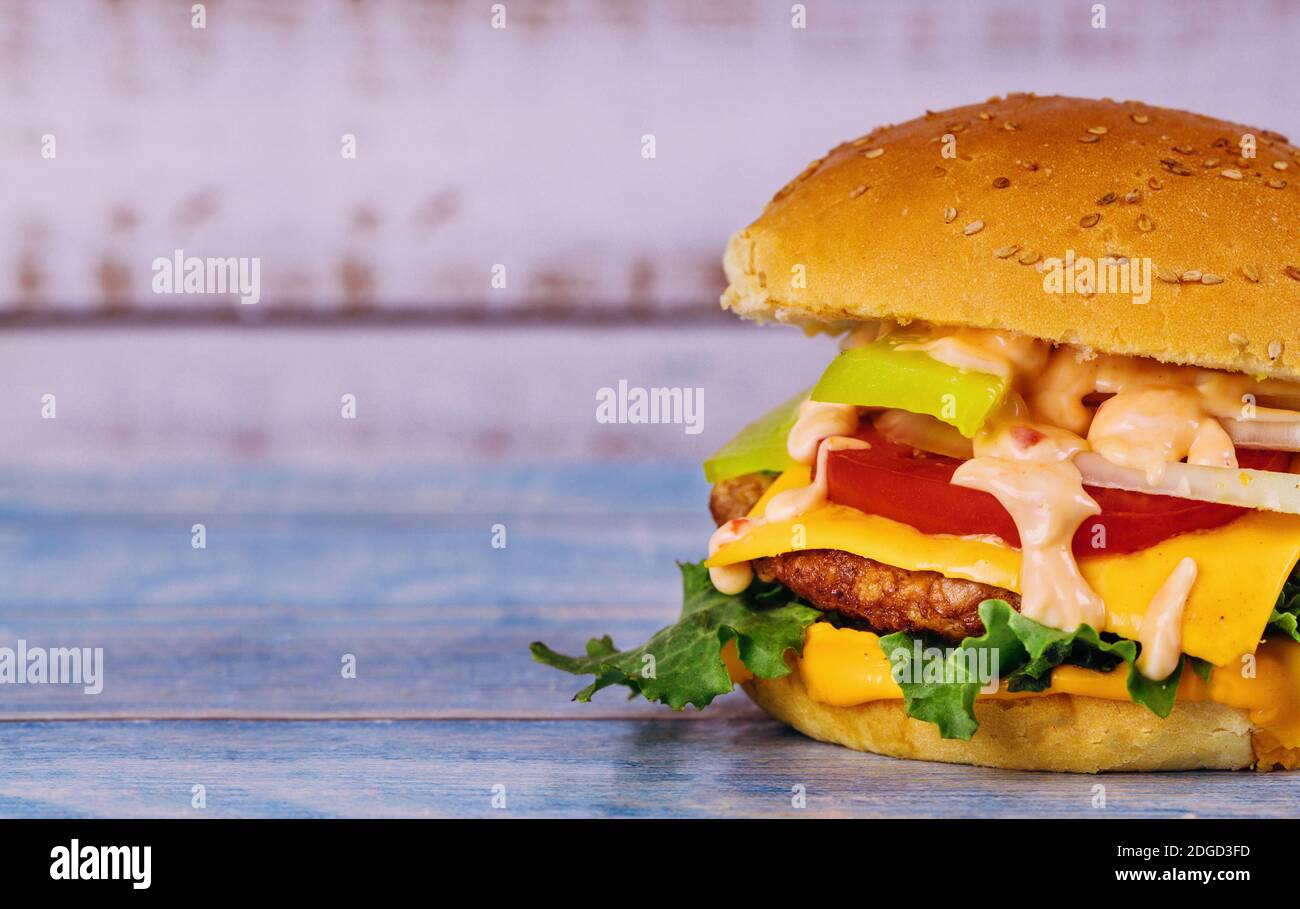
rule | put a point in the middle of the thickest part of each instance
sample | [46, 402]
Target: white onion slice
[1278, 436]
[924, 432]
[1265, 490]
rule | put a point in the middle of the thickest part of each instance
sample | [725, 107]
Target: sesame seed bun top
[949, 218]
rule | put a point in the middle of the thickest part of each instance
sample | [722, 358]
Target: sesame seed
[985, 115]
[1090, 137]
[1184, 149]
[1144, 223]
[1011, 126]
[1174, 167]
[1156, 183]
[1191, 276]
[1098, 130]
[1006, 252]
[1231, 173]
[854, 193]
[1140, 118]
[1274, 349]
[1089, 220]
[1292, 272]
[1133, 197]
[1237, 340]
[949, 215]
[1106, 199]
[1168, 276]
[873, 153]
[1211, 279]
[1210, 162]
[1275, 183]
[1220, 143]
[1028, 257]
[939, 171]
[858, 143]
[1250, 273]
[973, 228]
[1279, 165]
[955, 127]
[1001, 183]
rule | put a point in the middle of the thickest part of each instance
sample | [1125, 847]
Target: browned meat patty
[886, 598]
[735, 497]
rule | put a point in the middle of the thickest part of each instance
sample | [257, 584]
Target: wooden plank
[428, 661]
[555, 769]
[520, 146]
[396, 568]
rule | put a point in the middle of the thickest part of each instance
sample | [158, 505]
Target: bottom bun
[1062, 732]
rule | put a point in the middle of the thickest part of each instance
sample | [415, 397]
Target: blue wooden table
[223, 665]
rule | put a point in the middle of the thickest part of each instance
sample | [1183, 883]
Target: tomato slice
[897, 482]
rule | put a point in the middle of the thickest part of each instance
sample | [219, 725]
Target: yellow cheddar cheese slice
[1241, 566]
[832, 526]
[843, 667]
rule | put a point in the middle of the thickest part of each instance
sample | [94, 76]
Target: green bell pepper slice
[759, 446]
[880, 375]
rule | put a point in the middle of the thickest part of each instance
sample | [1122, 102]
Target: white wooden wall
[518, 146]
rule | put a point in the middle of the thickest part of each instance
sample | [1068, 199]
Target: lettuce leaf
[1286, 614]
[1024, 653]
[682, 664]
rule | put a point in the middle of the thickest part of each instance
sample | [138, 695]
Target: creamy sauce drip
[1156, 414]
[998, 353]
[1057, 395]
[1161, 634]
[1027, 468]
[731, 579]
[792, 503]
[1149, 428]
[815, 419]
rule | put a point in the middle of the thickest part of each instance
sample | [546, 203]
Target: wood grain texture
[397, 569]
[217, 649]
[520, 146]
[732, 768]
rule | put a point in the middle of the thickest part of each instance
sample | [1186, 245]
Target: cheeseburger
[1041, 510]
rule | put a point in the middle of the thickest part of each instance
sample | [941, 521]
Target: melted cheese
[843, 667]
[871, 536]
[1242, 566]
